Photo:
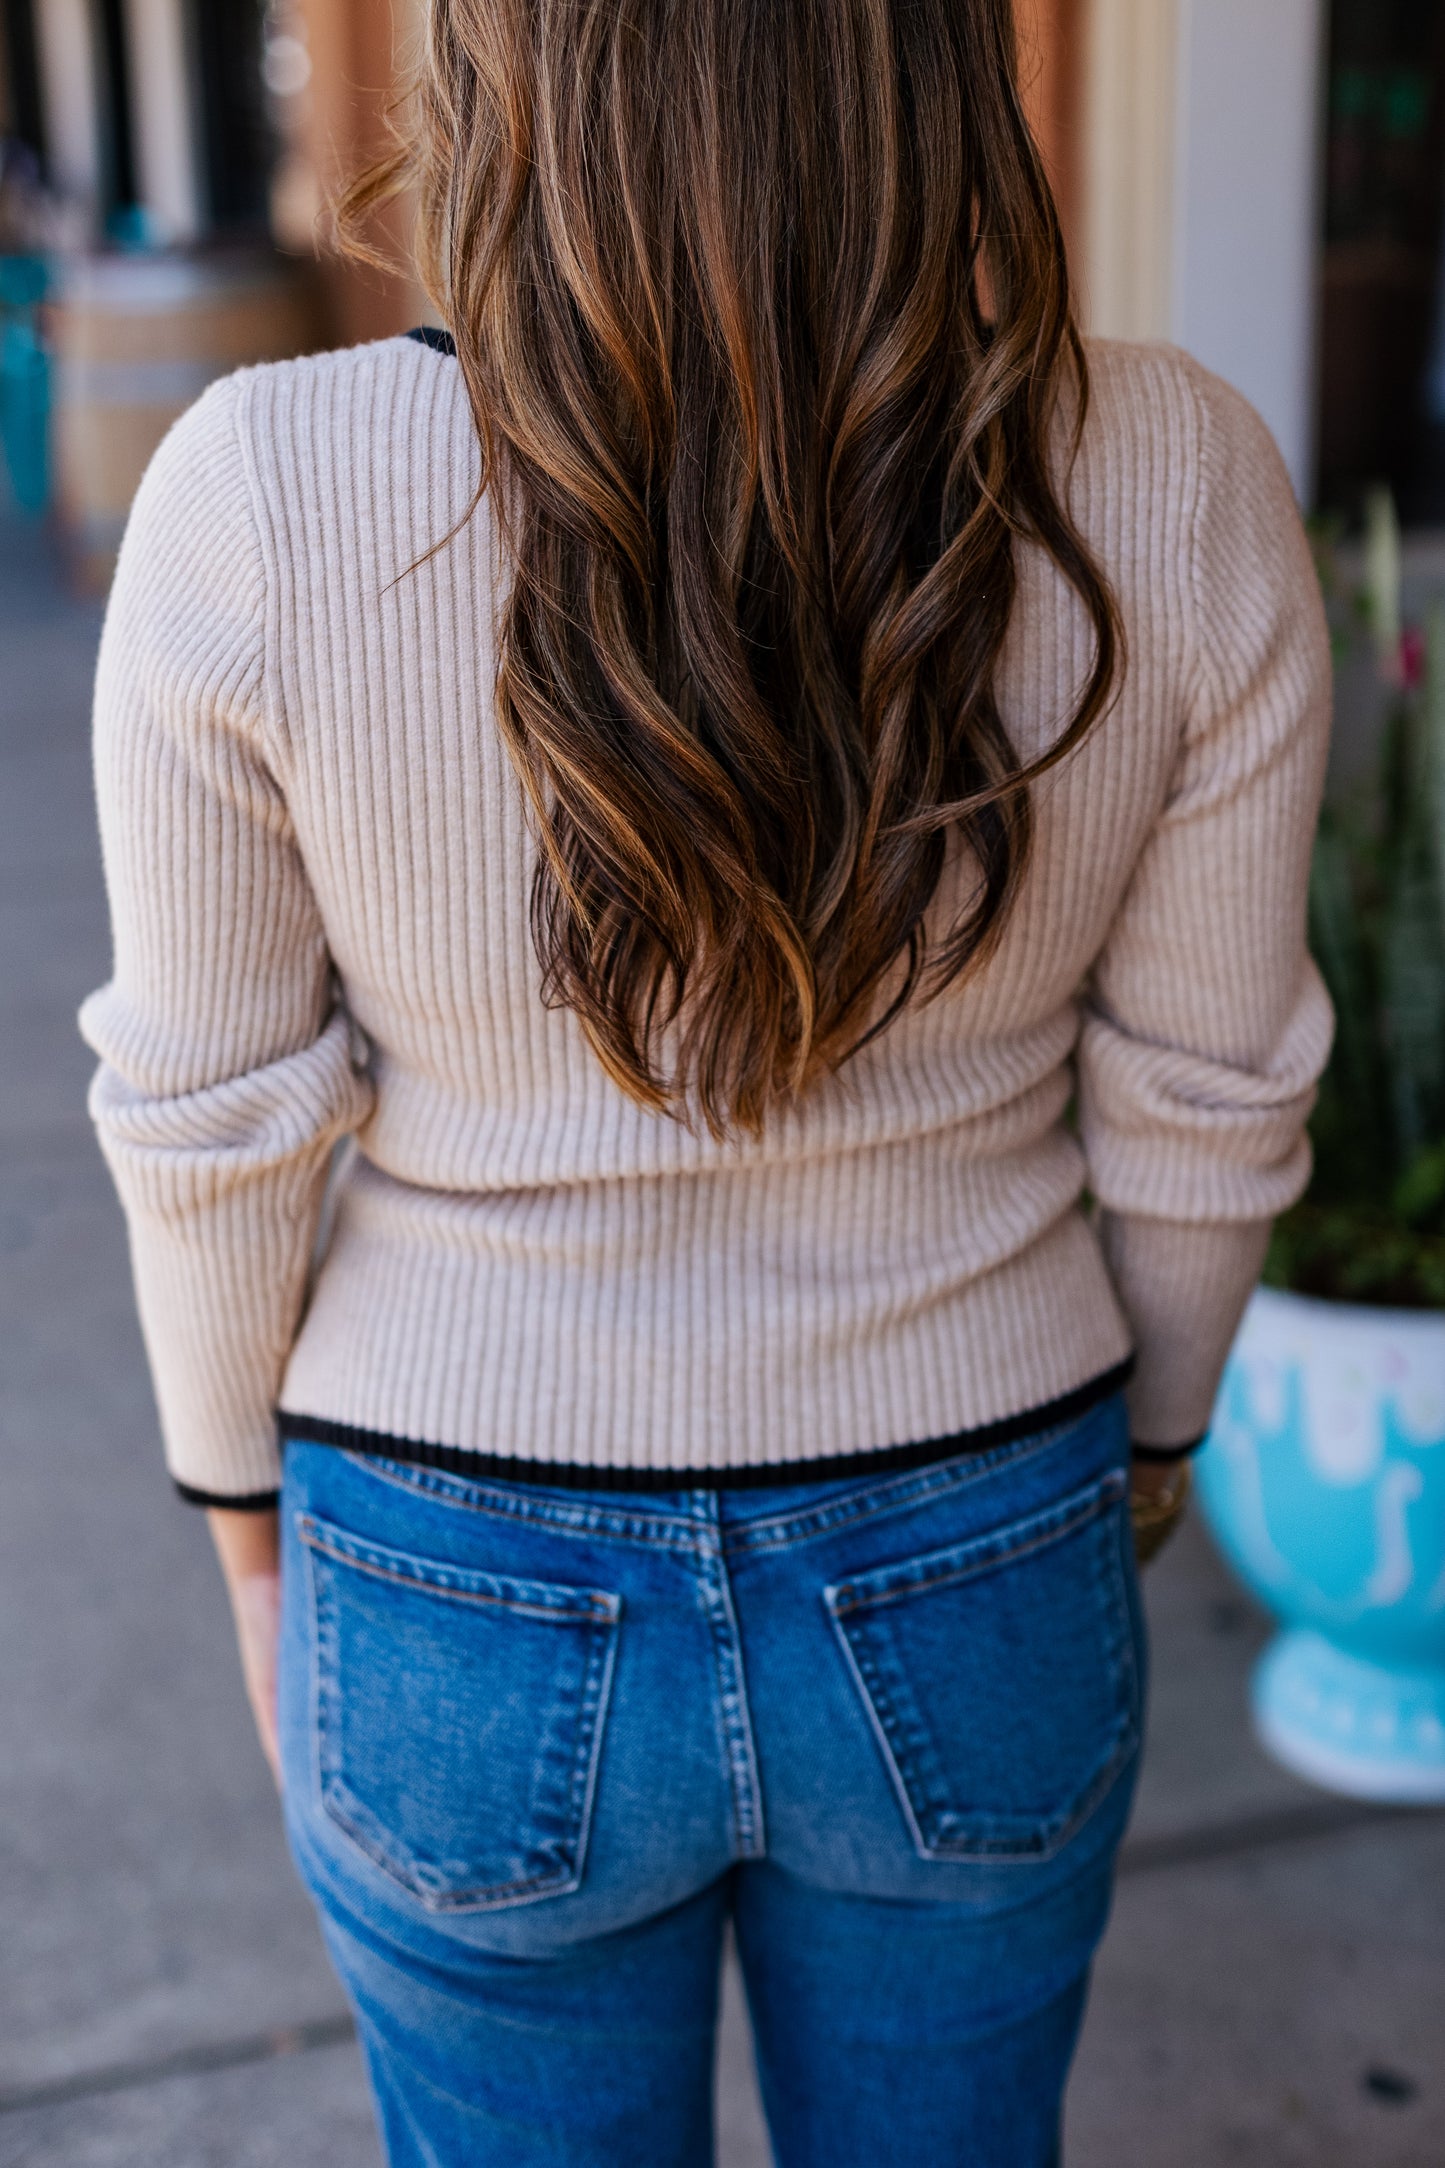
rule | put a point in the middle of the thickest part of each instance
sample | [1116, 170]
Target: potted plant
[1324, 1475]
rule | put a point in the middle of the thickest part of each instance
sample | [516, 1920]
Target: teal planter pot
[24, 383]
[1324, 1483]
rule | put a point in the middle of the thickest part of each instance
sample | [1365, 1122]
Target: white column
[1130, 96]
[1247, 205]
[70, 92]
[164, 119]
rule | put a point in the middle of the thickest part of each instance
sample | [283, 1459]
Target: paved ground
[1272, 1994]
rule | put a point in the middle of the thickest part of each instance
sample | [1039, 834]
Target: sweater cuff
[265, 1501]
[1183, 1287]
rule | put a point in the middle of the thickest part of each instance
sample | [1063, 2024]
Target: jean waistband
[752, 1517]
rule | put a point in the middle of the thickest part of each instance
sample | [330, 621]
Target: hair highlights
[764, 319]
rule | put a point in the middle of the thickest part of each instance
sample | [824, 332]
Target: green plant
[1372, 1225]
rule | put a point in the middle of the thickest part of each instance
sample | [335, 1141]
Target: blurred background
[1262, 181]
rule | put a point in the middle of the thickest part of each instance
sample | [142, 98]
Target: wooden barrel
[135, 340]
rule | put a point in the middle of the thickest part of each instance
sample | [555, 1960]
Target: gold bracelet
[1156, 1514]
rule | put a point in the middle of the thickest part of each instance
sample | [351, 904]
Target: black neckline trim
[571, 1475]
[440, 342]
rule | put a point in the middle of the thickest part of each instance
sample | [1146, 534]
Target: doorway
[1382, 318]
[237, 147]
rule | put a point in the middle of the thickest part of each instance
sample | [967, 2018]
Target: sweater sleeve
[1207, 1026]
[226, 1072]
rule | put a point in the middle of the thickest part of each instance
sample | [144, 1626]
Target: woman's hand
[249, 1548]
[1155, 1479]
[1158, 1494]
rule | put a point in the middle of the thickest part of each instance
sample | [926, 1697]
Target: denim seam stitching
[983, 1553]
[900, 1494]
[650, 1531]
[597, 1699]
[900, 1715]
[438, 1581]
[313, 1684]
[734, 1716]
[876, 1726]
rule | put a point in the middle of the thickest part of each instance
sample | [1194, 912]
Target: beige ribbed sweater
[319, 870]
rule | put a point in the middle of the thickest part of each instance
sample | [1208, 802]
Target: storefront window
[1382, 407]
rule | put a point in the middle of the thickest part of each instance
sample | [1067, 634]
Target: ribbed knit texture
[319, 869]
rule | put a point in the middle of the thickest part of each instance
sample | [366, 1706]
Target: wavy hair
[764, 319]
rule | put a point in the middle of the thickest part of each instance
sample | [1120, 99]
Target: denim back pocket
[1000, 1678]
[459, 1719]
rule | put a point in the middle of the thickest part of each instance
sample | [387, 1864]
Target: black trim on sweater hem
[256, 1501]
[572, 1475]
[1165, 1454]
[440, 342]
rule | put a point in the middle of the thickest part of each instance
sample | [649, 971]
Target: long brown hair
[763, 315]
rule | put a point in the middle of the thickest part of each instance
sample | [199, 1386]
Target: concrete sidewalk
[1272, 1994]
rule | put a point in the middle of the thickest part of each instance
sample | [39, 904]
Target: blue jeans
[540, 1745]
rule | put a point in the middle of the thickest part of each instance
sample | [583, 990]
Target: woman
[749, 780]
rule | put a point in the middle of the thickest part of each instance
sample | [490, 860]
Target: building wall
[167, 165]
[69, 89]
[1201, 192]
[1129, 66]
[1246, 218]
